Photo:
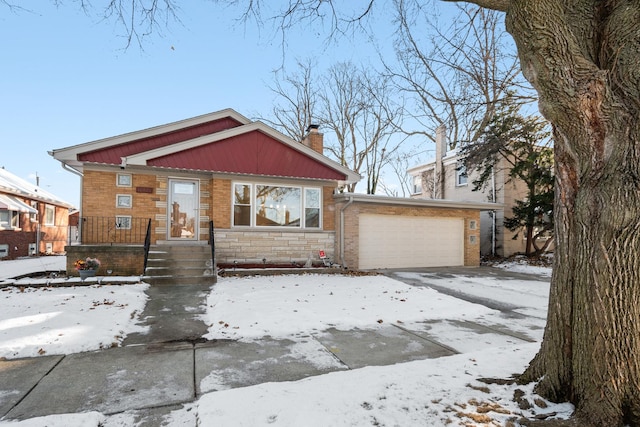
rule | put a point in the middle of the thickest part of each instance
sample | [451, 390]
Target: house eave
[404, 201]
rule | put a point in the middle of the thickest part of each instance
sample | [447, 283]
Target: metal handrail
[213, 245]
[147, 245]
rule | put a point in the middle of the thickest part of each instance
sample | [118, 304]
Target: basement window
[123, 222]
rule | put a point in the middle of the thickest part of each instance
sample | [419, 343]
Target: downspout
[435, 179]
[342, 230]
[493, 213]
[75, 172]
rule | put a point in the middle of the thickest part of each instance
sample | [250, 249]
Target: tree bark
[582, 56]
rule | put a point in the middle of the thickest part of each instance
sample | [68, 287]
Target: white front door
[183, 209]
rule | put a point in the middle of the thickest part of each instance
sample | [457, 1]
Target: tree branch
[499, 5]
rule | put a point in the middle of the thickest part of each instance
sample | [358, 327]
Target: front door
[183, 209]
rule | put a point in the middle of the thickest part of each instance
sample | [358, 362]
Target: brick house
[32, 220]
[266, 197]
[444, 178]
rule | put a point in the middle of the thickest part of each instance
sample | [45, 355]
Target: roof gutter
[81, 175]
[342, 230]
[70, 169]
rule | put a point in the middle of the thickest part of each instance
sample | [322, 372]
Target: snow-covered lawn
[38, 321]
[434, 392]
[284, 306]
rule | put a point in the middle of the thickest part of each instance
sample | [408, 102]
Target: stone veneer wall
[274, 246]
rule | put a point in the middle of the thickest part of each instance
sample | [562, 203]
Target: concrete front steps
[180, 264]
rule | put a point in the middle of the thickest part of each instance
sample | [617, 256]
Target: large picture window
[277, 206]
[260, 205]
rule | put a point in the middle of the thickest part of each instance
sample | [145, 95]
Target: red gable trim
[251, 153]
[113, 154]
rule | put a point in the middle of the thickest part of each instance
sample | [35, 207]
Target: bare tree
[402, 184]
[295, 109]
[355, 109]
[456, 75]
[356, 105]
[582, 57]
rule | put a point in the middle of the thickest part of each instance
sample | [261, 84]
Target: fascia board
[404, 201]
[69, 154]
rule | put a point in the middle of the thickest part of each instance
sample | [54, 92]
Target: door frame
[170, 199]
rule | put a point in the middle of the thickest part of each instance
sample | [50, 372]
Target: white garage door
[388, 241]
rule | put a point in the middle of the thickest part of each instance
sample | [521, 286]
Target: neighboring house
[32, 220]
[446, 178]
[268, 197]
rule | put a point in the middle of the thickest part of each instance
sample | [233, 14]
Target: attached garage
[388, 241]
[375, 232]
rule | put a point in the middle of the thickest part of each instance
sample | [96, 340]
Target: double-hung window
[242, 204]
[261, 205]
[49, 215]
[461, 174]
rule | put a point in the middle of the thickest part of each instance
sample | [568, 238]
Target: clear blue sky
[66, 79]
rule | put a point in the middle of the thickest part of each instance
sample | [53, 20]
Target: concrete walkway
[155, 373]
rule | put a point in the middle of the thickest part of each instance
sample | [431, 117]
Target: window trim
[127, 218]
[47, 209]
[120, 197]
[253, 203]
[33, 217]
[233, 204]
[124, 180]
[461, 172]
[13, 222]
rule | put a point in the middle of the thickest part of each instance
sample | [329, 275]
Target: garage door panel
[404, 241]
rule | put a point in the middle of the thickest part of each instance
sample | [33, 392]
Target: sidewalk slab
[18, 376]
[466, 336]
[387, 345]
[231, 364]
[111, 381]
[172, 313]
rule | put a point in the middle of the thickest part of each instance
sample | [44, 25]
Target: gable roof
[220, 142]
[13, 185]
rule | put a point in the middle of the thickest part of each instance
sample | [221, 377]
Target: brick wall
[17, 242]
[120, 260]
[247, 245]
[221, 203]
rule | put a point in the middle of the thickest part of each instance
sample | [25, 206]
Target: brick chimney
[314, 139]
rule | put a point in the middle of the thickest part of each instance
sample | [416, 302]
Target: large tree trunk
[583, 58]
